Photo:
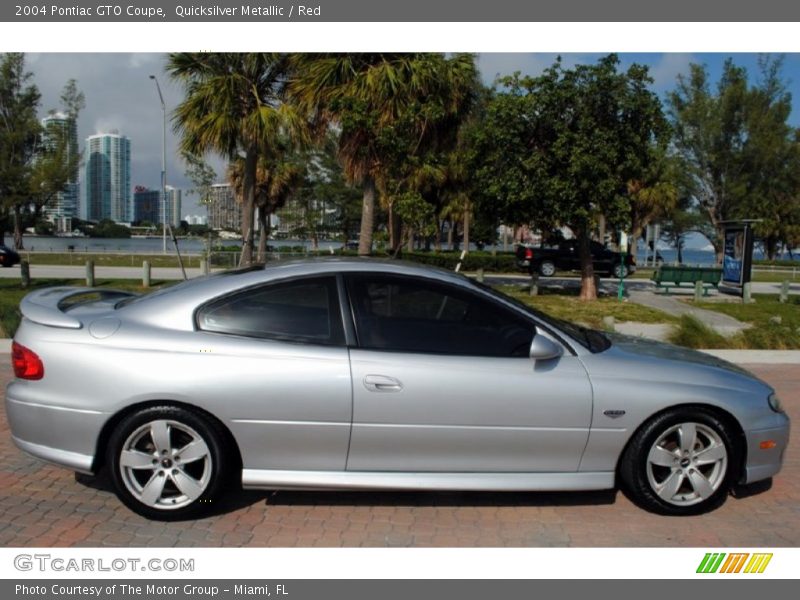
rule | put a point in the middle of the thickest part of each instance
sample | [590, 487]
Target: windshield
[593, 340]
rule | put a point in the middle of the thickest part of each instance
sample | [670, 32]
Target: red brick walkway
[41, 505]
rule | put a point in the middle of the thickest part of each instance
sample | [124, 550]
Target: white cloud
[666, 70]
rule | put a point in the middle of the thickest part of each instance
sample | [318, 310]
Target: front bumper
[764, 462]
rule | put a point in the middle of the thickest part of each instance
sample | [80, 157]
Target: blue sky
[664, 68]
[119, 94]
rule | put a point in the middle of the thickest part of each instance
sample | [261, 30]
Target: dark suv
[566, 257]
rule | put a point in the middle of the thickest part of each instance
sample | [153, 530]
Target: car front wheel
[682, 462]
[166, 462]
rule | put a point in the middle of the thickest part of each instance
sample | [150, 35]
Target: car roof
[172, 306]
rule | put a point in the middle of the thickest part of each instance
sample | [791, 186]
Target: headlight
[775, 403]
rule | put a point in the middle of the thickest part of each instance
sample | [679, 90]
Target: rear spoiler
[46, 307]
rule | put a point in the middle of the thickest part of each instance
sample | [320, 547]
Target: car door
[602, 257]
[281, 373]
[443, 382]
[570, 255]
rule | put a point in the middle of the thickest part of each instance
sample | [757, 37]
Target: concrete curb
[739, 357]
[772, 357]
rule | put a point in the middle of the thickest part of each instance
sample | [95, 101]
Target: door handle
[382, 383]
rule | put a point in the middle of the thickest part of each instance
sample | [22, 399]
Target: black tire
[183, 490]
[618, 270]
[547, 268]
[650, 485]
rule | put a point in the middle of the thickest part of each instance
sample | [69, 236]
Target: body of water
[197, 246]
[142, 245]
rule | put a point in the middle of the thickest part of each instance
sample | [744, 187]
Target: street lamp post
[163, 165]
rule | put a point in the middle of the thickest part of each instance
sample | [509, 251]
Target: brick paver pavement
[42, 505]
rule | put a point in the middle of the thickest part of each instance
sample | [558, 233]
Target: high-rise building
[146, 205]
[65, 203]
[224, 212]
[108, 178]
[173, 206]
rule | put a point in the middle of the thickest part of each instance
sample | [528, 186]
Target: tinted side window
[302, 310]
[406, 314]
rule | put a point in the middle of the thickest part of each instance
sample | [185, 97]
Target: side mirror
[543, 348]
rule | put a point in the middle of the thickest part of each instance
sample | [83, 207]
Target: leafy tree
[109, 229]
[683, 219]
[376, 100]
[741, 153]
[654, 195]
[202, 176]
[19, 137]
[56, 160]
[234, 106]
[563, 148]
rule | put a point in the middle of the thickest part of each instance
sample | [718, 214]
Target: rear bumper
[763, 463]
[56, 434]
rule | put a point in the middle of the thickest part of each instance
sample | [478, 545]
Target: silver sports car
[357, 374]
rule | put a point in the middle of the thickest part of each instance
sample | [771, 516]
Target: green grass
[11, 293]
[692, 333]
[571, 308]
[764, 334]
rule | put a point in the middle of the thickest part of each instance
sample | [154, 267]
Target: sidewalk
[721, 323]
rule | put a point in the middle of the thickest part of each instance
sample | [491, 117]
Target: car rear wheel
[547, 268]
[167, 462]
[682, 462]
[619, 271]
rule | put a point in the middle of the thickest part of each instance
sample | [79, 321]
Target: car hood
[644, 347]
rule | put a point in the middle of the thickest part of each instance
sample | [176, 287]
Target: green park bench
[666, 277]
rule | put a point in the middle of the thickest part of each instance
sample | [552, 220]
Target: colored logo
[734, 562]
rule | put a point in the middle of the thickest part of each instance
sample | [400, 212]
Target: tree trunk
[18, 229]
[437, 243]
[451, 225]
[771, 243]
[588, 289]
[367, 217]
[248, 206]
[391, 219]
[466, 227]
[263, 233]
[410, 246]
[680, 250]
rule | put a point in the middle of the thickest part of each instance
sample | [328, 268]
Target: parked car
[565, 256]
[8, 256]
[359, 374]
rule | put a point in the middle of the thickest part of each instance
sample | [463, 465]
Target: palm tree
[234, 106]
[277, 176]
[376, 99]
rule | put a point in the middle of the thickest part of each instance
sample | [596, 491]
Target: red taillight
[528, 253]
[26, 364]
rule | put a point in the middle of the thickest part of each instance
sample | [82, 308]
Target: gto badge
[613, 414]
